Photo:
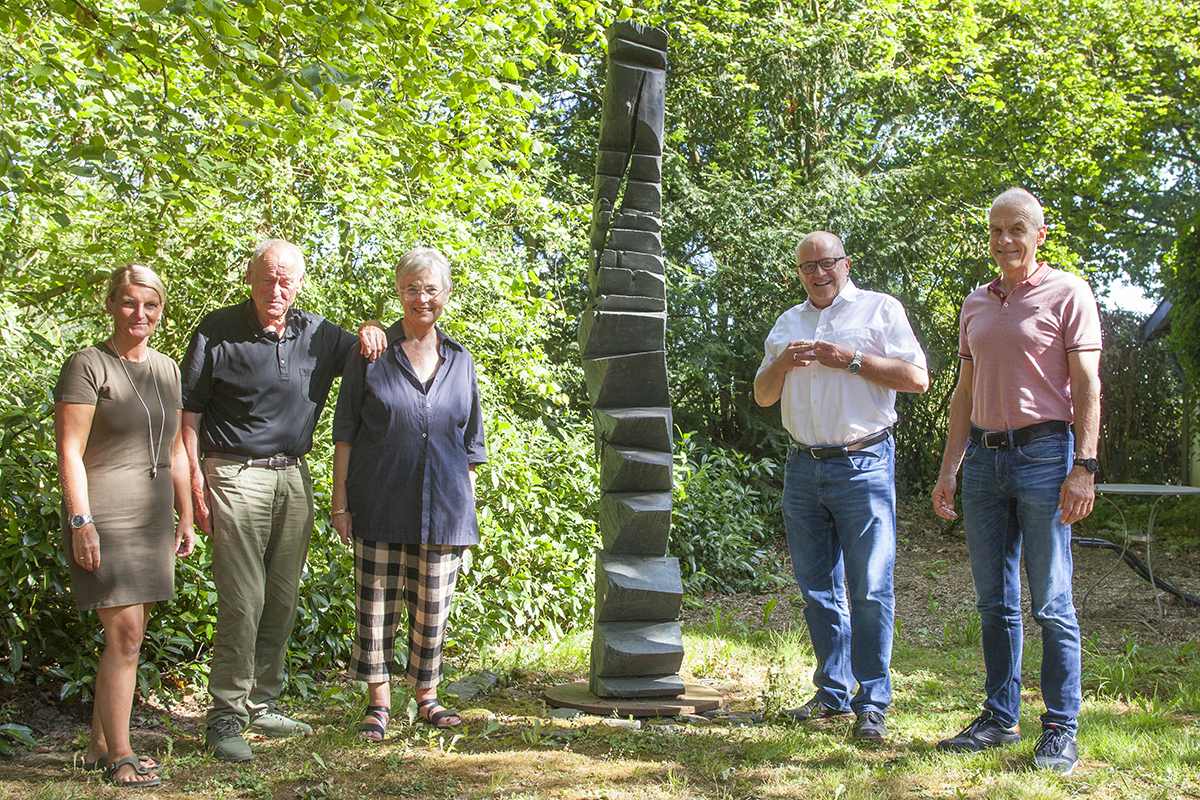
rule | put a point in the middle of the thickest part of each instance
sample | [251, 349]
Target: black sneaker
[1056, 750]
[983, 732]
[814, 709]
[869, 727]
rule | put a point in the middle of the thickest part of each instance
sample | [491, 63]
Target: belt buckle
[277, 462]
[995, 440]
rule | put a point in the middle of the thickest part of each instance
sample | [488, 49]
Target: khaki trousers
[262, 524]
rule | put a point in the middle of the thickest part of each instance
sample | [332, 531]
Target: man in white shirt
[836, 361]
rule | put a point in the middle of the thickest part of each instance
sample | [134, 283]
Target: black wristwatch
[1092, 465]
[79, 520]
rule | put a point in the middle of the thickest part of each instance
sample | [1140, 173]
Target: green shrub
[725, 520]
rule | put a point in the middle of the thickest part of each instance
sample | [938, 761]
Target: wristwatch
[79, 520]
[1092, 465]
[855, 363]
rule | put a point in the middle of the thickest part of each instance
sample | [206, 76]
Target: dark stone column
[637, 646]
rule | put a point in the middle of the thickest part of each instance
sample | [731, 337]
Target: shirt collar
[848, 294]
[395, 335]
[1040, 274]
[291, 329]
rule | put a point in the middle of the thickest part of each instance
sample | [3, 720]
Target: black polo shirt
[261, 395]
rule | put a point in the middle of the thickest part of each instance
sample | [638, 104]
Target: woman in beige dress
[124, 473]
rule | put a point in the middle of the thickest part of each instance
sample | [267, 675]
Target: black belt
[844, 450]
[271, 462]
[1000, 440]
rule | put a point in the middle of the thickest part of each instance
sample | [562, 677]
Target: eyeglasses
[827, 264]
[413, 293]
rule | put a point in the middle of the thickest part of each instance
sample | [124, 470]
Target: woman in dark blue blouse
[408, 433]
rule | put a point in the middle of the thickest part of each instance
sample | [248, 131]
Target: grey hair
[423, 259]
[270, 246]
[135, 274]
[1022, 198]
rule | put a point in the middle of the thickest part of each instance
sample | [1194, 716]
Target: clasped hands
[801, 353]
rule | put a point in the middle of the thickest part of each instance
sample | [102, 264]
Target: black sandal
[381, 713]
[138, 779]
[435, 712]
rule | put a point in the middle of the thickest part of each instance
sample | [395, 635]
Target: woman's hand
[85, 543]
[185, 538]
[343, 523]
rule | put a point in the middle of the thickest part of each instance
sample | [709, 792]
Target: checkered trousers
[423, 577]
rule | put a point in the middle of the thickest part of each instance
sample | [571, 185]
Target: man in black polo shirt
[255, 378]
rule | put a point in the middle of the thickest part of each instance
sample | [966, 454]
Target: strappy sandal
[101, 763]
[433, 712]
[139, 779]
[383, 714]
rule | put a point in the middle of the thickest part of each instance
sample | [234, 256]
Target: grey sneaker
[869, 727]
[274, 724]
[224, 740]
[1056, 750]
[983, 732]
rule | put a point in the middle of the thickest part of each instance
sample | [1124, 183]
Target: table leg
[1149, 562]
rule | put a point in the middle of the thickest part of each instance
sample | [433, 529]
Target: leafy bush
[725, 520]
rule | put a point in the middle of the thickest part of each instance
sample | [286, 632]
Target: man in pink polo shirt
[1029, 344]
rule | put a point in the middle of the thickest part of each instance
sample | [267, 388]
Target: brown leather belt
[271, 462]
[836, 452]
[1019, 437]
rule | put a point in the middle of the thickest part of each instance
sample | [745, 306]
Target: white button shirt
[826, 406]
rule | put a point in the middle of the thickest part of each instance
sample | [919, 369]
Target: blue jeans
[1010, 502]
[840, 518]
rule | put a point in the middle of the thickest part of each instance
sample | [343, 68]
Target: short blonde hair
[135, 274]
[423, 259]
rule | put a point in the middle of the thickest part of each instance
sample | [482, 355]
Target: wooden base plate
[694, 700]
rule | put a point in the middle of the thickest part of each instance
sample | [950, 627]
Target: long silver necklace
[154, 452]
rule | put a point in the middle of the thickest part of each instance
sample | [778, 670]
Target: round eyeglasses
[413, 293]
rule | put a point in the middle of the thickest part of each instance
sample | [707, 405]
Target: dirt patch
[934, 592]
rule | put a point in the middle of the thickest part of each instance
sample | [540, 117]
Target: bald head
[823, 242]
[1018, 198]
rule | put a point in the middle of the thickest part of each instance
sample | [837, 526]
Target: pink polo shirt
[1019, 344]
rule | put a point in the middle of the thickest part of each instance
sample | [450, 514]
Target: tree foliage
[179, 132]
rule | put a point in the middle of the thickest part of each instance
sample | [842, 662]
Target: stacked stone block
[637, 646]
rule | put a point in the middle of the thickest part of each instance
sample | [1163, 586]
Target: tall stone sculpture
[637, 647]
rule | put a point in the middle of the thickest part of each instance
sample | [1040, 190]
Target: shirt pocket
[858, 338]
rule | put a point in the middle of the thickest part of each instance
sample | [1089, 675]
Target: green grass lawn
[1139, 737]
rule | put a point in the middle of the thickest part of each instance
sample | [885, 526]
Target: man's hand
[943, 497]
[1077, 496]
[344, 524]
[832, 354]
[201, 508]
[796, 354]
[372, 339]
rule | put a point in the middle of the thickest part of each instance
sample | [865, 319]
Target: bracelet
[340, 511]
